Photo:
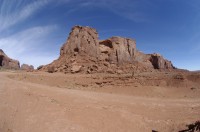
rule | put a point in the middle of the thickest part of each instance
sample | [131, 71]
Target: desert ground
[57, 102]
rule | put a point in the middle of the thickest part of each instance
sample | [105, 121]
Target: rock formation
[82, 40]
[27, 67]
[84, 52]
[7, 62]
[155, 61]
[117, 50]
[159, 62]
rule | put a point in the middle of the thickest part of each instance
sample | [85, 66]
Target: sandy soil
[43, 102]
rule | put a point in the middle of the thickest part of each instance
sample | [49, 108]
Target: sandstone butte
[8, 63]
[84, 52]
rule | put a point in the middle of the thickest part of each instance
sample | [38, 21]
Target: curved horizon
[33, 32]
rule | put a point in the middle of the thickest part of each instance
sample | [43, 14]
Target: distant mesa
[84, 52]
[27, 67]
[8, 63]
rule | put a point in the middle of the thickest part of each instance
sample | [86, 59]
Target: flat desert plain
[44, 102]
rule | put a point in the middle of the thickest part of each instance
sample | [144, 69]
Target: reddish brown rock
[7, 62]
[155, 61]
[82, 40]
[143, 59]
[83, 52]
[118, 50]
[76, 68]
[159, 62]
[51, 69]
[27, 67]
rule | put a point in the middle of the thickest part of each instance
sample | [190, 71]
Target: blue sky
[33, 31]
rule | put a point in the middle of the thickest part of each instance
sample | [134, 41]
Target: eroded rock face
[27, 67]
[118, 50]
[84, 52]
[159, 62]
[7, 62]
[144, 59]
[82, 40]
[155, 61]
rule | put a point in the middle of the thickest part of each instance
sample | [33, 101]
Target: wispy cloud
[134, 10]
[15, 11]
[26, 46]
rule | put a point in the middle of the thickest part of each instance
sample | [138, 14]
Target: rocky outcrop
[82, 40]
[27, 67]
[118, 50]
[155, 61]
[7, 62]
[84, 52]
[159, 62]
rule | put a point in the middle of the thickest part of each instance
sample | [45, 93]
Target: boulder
[7, 62]
[92, 69]
[76, 68]
[51, 69]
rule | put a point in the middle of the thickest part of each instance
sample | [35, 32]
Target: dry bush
[192, 127]
[179, 77]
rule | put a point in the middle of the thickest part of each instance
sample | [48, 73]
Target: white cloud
[133, 10]
[26, 45]
[130, 9]
[16, 11]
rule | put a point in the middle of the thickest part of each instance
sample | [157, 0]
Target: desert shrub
[179, 77]
[192, 127]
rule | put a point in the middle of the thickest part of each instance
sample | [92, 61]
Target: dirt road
[32, 107]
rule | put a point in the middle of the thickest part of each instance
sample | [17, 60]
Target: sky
[32, 31]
